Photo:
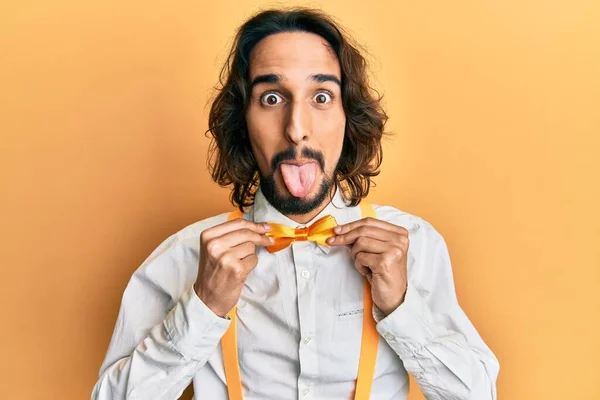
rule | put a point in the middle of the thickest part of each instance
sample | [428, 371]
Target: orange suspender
[229, 345]
[368, 346]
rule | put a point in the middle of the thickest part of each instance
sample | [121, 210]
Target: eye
[270, 99]
[323, 98]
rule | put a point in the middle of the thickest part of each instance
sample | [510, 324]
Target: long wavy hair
[231, 160]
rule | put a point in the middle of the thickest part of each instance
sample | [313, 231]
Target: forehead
[293, 54]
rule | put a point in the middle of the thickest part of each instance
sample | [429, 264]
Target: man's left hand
[379, 250]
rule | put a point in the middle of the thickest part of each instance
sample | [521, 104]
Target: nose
[298, 126]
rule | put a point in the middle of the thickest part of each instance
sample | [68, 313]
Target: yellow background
[495, 107]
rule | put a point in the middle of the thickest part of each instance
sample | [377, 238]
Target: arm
[157, 349]
[432, 335]
[155, 352]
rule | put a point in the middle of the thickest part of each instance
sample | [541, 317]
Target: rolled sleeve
[410, 326]
[195, 330]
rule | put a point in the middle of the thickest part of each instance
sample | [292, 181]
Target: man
[243, 310]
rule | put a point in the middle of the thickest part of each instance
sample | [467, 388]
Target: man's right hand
[227, 256]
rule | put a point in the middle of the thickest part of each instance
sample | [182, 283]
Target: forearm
[163, 364]
[442, 361]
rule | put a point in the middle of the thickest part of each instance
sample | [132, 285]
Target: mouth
[299, 176]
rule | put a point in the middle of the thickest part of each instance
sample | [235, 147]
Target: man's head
[295, 114]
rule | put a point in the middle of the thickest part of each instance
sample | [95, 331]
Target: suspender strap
[230, 348]
[370, 336]
[368, 347]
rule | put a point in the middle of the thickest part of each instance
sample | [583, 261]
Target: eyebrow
[275, 78]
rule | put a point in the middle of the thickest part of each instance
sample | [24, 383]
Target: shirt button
[307, 340]
[389, 336]
[305, 274]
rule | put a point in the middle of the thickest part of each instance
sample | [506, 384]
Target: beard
[289, 204]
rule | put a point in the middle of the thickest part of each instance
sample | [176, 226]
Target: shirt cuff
[195, 330]
[410, 326]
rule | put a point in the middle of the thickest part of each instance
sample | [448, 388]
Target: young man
[279, 304]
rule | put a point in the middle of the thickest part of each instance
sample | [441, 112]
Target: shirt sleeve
[432, 335]
[164, 333]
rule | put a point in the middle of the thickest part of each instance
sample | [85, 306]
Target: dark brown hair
[230, 157]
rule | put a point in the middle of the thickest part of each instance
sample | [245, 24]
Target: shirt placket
[305, 283]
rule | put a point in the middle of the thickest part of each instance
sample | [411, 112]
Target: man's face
[295, 119]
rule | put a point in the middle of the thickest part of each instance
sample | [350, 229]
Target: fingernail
[267, 227]
[337, 229]
[331, 240]
[271, 240]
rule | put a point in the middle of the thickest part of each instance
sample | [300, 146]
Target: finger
[236, 268]
[368, 245]
[243, 250]
[364, 271]
[233, 225]
[361, 231]
[370, 222]
[216, 247]
[227, 262]
[363, 262]
[246, 235]
[249, 263]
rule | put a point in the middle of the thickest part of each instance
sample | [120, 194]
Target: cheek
[263, 131]
[333, 140]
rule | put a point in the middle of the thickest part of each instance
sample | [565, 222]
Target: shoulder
[188, 236]
[194, 230]
[173, 265]
[427, 249]
[422, 234]
[411, 222]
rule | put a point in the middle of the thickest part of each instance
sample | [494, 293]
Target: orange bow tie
[318, 232]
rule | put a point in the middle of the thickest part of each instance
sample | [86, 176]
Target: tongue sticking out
[299, 179]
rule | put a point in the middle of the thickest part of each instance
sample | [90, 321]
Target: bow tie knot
[318, 232]
[301, 234]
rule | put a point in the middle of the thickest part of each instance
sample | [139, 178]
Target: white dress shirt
[299, 323]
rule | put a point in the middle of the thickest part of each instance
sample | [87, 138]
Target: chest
[300, 320]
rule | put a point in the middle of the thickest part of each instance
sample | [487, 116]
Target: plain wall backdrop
[495, 109]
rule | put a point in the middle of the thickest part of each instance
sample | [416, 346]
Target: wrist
[206, 300]
[392, 306]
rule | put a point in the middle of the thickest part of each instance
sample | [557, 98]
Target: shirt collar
[263, 211]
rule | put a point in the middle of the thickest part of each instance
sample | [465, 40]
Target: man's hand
[379, 250]
[227, 256]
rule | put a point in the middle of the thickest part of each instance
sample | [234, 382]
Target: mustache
[290, 154]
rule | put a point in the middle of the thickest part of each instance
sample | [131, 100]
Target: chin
[283, 191]
[277, 193]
